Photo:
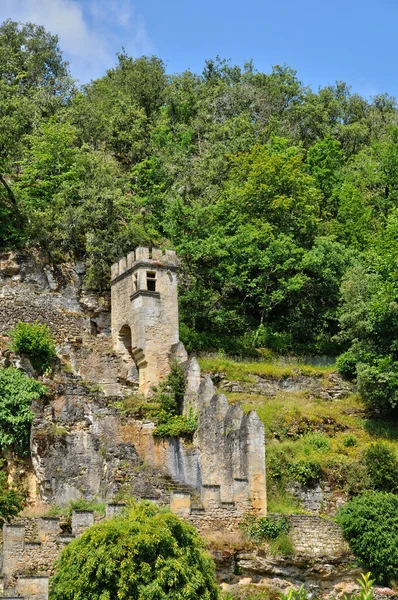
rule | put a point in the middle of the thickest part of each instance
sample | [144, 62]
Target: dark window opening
[93, 327]
[135, 282]
[151, 281]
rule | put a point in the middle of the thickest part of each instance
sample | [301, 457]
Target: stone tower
[144, 307]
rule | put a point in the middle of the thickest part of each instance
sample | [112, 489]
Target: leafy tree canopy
[148, 553]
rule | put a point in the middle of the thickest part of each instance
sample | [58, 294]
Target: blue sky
[354, 41]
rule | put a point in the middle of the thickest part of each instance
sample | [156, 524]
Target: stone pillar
[192, 378]
[254, 439]
[13, 547]
[33, 588]
[211, 496]
[48, 528]
[241, 493]
[81, 520]
[180, 503]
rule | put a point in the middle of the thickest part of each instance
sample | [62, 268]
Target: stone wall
[317, 537]
[30, 291]
[231, 444]
[28, 563]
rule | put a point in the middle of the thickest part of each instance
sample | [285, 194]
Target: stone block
[170, 256]
[114, 270]
[113, 509]
[180, 503]
[48, 528]
[33, 588]
[241, 492]
[157, 254]
[210, 496]
[141, 253]
[122, 265]
[130, 259]
[81, 520]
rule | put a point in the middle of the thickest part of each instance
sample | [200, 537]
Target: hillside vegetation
[309, 440]
[280, 200]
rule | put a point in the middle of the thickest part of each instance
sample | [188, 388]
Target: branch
[12, 199]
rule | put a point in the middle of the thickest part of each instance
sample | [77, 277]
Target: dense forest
[282, 202]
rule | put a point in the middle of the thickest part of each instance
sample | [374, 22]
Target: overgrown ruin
[83, 446]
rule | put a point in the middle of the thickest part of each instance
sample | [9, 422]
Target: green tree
[146, 554]
[12, 500]
[17, 392]
[34, 84]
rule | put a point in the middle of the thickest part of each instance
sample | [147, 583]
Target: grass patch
[281, 502]
[80, 504]
[245, 370]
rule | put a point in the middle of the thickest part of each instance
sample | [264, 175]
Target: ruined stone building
[83, 445]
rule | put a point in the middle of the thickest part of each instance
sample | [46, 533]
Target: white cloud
[89, 40]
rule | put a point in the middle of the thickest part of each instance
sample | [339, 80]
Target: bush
[382, 466]
[370, 524]
[346, 365]
[34, 340]
[177, 426]
[378, 384]
[306, 472]
[170, 422]
[147, 554]
[259, 529]
[17, 392]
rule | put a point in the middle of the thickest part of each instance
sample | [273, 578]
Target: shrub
[177, 426]
[346, 365]
[34, 340]
[306, 472]
[378, 384]
[382, 466]
[170, 422]
[259, 529]
[319, 441]
[147, 554]
[17, 392]
[370, 524]
[350, 441]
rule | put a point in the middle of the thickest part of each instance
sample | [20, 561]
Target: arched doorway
[124, 341]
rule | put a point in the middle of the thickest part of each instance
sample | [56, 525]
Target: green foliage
[17, 392]
[12, 500]
[370, 524]
[169, 398]
[382, 465]
[293, 594]
[261, 529]
[36, 341]
[272, 195]
[147, 554]
[307, 472]
[346, 365]
[177, 426]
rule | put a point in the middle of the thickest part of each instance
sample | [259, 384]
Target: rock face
[81, 443]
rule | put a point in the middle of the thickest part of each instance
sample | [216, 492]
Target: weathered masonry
[145, 312]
